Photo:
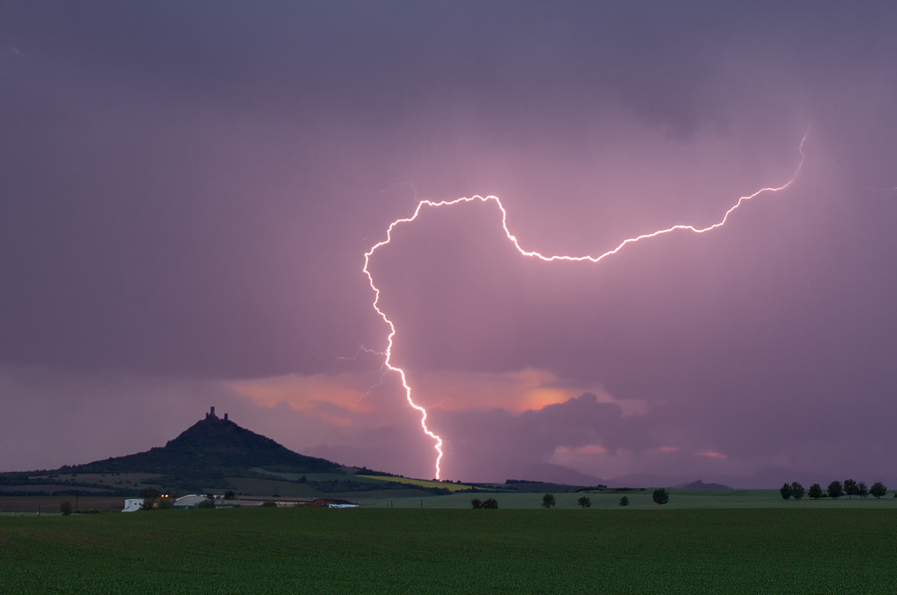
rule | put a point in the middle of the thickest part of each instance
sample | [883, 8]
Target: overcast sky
[188, 188]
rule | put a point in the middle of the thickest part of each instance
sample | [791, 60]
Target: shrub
[65, 508]
[207, 504]
[269, 504]
[476, 503]
[624, 501]
[660, 496]
[490, 503]
[548, 501]
[584, 501]
[230, 495]
[165, 503]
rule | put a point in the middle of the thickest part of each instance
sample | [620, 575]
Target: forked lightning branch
[387, 353]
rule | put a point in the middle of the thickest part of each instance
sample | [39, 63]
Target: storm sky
[187, 191]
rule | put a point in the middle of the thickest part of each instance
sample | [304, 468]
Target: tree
[797, 491]
[835, 490]
[490, 503]
[149, 493]
[624, 501]
[65, 508]
[878, 489]
[850, 487]
[584, 501]
[149, 496]
[785, 491]
[476, 503]
[815, 491]
[548, 501]
[207, 503]
[230, 495]
[660, 496]
[862, 490]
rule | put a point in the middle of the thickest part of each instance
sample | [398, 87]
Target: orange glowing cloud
[588, 449]
[524, 390]
[340, 398]
[330, 398]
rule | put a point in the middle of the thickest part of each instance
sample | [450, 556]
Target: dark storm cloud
[187, 189]
[487, 444]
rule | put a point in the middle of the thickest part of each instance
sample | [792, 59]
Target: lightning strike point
[530, 254]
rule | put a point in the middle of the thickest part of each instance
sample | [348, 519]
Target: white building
[133, 504]
[188, 501]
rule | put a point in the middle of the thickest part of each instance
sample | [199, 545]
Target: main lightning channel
[529, 253]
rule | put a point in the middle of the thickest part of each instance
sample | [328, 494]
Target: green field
[661, 550]
[638, 499]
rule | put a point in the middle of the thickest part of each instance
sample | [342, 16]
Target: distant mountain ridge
[550, 473]
[211, 447]
[766, 478]
[700, 485]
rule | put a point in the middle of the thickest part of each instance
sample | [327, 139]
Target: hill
[215, 455]
[204, 456]
[211, 446]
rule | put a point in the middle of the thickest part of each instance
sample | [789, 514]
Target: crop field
[453, 551]
[426, 483]
[638, 499]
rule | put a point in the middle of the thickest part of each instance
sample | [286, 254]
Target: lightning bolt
[528, 253]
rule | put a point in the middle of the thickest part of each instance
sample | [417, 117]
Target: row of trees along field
[835, 489]
[660, 496]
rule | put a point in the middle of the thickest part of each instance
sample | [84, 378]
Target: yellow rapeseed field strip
[452, 487]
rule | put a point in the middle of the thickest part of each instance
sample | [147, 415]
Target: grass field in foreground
[452, 551]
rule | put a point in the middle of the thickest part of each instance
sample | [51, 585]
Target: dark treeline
[835, 489]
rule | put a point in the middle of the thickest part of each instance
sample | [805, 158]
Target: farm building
[252, 501]
[133, 504]
[193, 500]
[331, 503]
[188, 501]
